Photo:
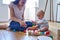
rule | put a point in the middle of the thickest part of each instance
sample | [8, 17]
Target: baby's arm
[43, 29]
[42, 23]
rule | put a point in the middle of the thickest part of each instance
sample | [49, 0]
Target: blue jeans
[16, 25]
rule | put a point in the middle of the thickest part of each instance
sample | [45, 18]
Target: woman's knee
[29, 24]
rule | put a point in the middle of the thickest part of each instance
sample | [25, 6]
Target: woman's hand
[23, 24]
[34, 22]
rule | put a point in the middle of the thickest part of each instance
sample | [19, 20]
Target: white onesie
[45, 23]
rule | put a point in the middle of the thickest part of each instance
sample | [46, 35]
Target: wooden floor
[9, 35]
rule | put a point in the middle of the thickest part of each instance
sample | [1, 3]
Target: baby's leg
[43, 29]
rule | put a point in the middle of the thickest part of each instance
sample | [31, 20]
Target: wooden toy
[24, 31]
[32, 28]
[47, 33]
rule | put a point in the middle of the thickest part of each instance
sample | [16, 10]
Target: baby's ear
[44, 12]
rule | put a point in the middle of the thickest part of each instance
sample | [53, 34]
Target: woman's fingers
[23, 24]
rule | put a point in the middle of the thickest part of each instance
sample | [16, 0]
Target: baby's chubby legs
[43, 29]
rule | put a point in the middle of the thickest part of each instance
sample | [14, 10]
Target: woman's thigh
[17, 26]
[29, 24]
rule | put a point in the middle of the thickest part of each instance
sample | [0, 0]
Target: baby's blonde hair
[40, 11]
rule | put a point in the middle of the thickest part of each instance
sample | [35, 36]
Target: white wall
[54, 8]
[58, 13]
[0, 2]
[3, 12]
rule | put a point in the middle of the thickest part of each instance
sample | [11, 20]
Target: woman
[17, 15]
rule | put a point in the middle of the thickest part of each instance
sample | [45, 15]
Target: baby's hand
[42, 23]
[38, 30]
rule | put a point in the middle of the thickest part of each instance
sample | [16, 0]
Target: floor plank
[2, 36]
[9, 35]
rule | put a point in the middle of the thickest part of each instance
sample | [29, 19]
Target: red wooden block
[24, 31]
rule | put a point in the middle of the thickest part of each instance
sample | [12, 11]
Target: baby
[40, 26]
[42, 23]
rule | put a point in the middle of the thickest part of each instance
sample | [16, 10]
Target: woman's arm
[23, 14]
[23, 17]
[12, 16]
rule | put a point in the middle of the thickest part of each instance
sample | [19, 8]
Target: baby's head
[40, 14]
